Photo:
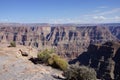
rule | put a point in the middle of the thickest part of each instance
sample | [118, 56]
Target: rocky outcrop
[115, 31]
[14, 66]
[103, 58]
[68, 40]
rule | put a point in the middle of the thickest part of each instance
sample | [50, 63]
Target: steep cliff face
[104, 58]
[68, 41]
[115, 31]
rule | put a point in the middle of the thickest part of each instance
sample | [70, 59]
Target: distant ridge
[54, 25]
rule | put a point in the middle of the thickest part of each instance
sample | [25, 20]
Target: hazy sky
[60, 11]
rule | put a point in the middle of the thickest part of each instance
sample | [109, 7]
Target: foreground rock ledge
[14, 66]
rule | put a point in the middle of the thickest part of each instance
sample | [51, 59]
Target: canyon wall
[96, 46]
[68, 40]
[104, 58]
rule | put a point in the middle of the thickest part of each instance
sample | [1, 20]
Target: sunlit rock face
[76, 43]
[68, 40]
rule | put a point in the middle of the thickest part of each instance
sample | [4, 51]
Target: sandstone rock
[23, 53]
[68, 40]
[103, 58]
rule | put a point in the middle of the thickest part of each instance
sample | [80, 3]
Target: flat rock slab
[16, 67]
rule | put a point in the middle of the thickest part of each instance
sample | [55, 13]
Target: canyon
[104, 58]
[93, 45]
[68, 40]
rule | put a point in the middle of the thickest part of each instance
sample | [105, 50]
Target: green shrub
[48, 57]
[61, 63]
[58, 62]
[76, 72]
[44, 56]
[12, 44]
[51, 61]
[51, 51]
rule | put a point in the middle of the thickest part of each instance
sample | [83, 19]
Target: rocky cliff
[115, 31]
[77, 43]
[104, 58]
[67, 40]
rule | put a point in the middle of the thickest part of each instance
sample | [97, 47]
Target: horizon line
[55, 23]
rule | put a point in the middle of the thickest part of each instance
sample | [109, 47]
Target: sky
[60, 11]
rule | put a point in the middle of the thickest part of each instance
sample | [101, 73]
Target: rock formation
[103, 58]
[75, 42]
[67, 40]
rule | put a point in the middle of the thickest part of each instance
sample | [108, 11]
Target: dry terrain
[14, 66]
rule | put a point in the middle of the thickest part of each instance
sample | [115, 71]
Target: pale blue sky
[60, 11]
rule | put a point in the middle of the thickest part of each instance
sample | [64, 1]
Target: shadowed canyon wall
[104, 58]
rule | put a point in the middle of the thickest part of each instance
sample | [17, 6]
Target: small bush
[57, 62]
[48, 57]
[12, 44]
[75, 72]
[44, 56]
[51, 61]
[62, 64]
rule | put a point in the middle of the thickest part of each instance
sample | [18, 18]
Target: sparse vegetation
[12, 44]
[76, 72]
[57, 62]
[49, 58]
[44, 55]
